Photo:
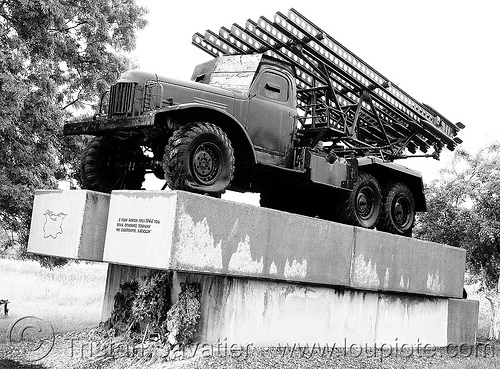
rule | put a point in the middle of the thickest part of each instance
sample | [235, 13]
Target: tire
[398, 210]
[361, 207]
[110, 164]
[199, 158]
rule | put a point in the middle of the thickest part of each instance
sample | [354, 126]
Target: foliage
[152, 302]
[56, 58]
[143, 310]
[121, 317]
[464, 211]
[184, 315]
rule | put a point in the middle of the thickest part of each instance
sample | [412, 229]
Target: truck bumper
[102, 125]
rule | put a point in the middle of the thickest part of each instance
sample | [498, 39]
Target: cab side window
[273, 87]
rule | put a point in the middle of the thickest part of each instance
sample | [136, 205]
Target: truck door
[271, 116]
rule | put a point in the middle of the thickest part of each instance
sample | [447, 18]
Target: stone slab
[188, 232]
[271, 313]
[462, 321]
[401, 264]
[182, 231]
[268, 313]
[69, 224]
[241, 311]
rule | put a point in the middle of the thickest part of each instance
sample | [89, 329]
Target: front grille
[121, 99]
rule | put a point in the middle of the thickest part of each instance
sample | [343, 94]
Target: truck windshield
[229, 71]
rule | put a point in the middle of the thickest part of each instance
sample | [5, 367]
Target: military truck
[282, 109]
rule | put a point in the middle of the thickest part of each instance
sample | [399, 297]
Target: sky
[443, 53]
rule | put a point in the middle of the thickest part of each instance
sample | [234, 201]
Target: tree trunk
[493, 296]
[494, 331]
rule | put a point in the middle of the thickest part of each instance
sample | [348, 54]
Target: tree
[464, 211]
[56, 58]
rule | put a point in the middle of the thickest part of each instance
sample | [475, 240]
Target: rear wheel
[361, 207]
[398, 210]
[199, 158]
[112, 164]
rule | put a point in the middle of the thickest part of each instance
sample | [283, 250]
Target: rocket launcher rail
[342, 98]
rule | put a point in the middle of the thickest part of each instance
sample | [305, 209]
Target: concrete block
[271, 313]
[188, 232]
[394, 263]
[70, 224]
[183, 231]
[261, 312]
[463, 318]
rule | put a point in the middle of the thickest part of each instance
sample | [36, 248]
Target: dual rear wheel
[390, 208]
[398, 210]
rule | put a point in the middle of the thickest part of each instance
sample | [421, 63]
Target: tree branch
[74, 101]
[68, 28]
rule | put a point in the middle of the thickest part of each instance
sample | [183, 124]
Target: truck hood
[143, 77]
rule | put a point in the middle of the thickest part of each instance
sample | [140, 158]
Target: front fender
[214, 113]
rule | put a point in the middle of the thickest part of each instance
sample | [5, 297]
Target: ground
[69, 301]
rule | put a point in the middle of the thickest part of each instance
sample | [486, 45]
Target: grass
[69, 297]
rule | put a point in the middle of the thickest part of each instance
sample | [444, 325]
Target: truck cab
[268, 111]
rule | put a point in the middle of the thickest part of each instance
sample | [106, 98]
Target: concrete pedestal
[266, 277]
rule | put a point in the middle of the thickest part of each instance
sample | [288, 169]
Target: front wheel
[361, 207]
[199, 158]
[398, 210]
[111, 164]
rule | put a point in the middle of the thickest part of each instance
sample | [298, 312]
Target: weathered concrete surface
[261, 312]
[118, 274]
[268, 313]
[197, 233]
[401, 264]
[412, 319]
[462, 320]
[70, 224]
[188, 232]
